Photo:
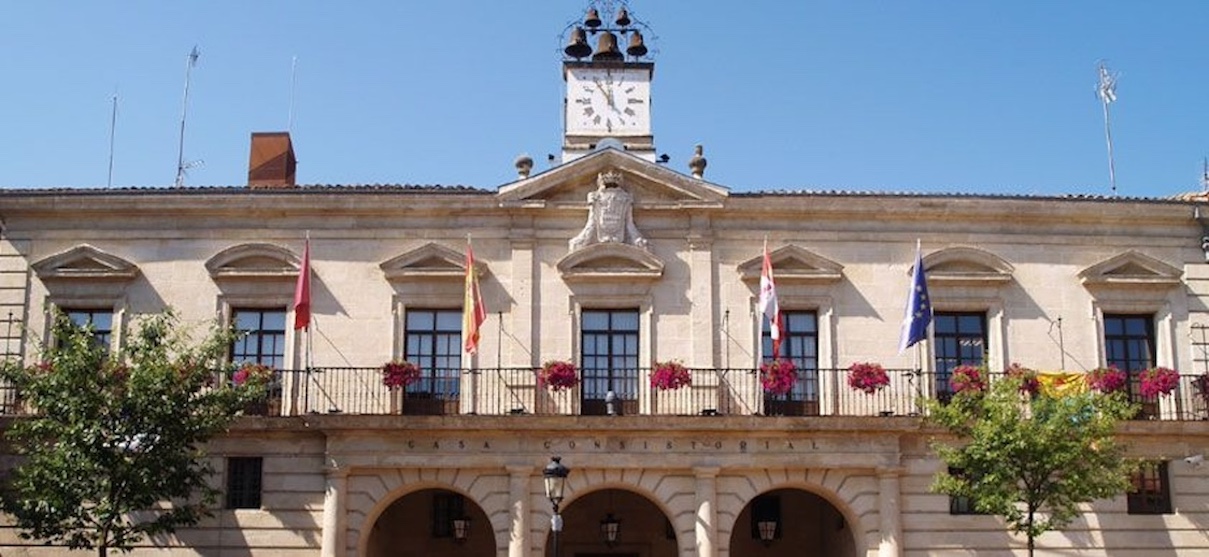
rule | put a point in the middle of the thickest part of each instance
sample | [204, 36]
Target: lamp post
[555, 476]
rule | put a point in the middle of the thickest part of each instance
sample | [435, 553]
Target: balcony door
[610, 360]
[434, 342]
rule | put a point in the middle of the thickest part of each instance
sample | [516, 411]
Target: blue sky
[907, 95]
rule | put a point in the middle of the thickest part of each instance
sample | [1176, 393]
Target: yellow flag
[1061, 383]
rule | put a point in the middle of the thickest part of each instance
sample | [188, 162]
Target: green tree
[113, 452]
[1028, 457]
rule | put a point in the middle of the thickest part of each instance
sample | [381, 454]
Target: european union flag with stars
[919, 307]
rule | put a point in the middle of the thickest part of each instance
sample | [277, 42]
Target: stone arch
[673, 495]
[966, 266]
[854, 496]
[254, 260]
[369, 495]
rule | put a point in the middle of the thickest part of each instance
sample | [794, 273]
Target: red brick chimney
[272, 163]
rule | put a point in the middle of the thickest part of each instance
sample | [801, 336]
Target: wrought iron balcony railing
[712, 392]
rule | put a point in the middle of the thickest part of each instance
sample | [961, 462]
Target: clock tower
[608, 95]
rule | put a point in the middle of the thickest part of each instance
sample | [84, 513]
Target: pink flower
[778, 376]
[1106, 379]
[867, 377]
[1159, 381]
[670, 375]
[968, 379]
[558, 375]
[399, 373]
[1029, 384]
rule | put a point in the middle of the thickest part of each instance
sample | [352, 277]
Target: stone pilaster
[334, 500]
[707, 512]
[890, 523]
[519, 478]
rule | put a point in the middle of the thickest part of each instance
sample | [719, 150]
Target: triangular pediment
[429, 261]
[254, 261]
[652, 186]
[609, 262]
[966, 266]
[793, 264]
[1131, 270]
[85, 262]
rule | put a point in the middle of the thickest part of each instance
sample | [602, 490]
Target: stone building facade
[350, 468]
[614, 262]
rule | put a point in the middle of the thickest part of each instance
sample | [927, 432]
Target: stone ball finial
[698, 163]
[524, 166]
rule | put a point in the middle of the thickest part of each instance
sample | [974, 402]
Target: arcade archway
[792, 522]
[642, 528]
[432, 523]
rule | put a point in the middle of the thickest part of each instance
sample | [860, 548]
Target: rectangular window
[959, 504]
[433, 341]
[610, 359]
[800, 344]
[446, 507]
[244, 482]
[1150, 493]
[1129, 345]
[960, 340]
[261, 336]
[99, 321]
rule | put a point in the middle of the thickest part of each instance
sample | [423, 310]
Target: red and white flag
[474, 313]
[302, 291]
[768, 303]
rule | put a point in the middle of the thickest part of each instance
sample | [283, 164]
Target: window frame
[245, 482]
[275, 361]
[796, 342]
[943, 364]
[1150, 493]
[439, 380]
[621, 362]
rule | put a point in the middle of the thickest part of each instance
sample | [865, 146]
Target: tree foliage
[113, 452]
[1031, 459]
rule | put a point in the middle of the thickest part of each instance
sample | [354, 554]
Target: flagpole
[1107, 91]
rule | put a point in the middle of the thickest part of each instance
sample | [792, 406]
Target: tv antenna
[181, 165]
[113, 125]
[1106, 89]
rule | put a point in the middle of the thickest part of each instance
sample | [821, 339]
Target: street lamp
[461, 529]
[768, 531]
[610, 529]
[555, 476]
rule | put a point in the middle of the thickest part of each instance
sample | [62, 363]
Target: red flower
[670, 375]
[1029, 384]
[252, 373]
[1106, 379]
[558, 375]
[778, 376]
[968, 379]
[399, 373]
[1159, 381]
[867, 377]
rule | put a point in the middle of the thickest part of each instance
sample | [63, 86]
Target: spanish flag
[474, 313]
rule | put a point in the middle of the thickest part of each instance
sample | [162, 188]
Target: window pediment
[793, 265]
[85, 262]
[610, 261]
[254, 261]
[1131, 270]
[966, 266]
[430, 261]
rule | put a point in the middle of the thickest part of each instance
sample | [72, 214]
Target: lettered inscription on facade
[782, 445]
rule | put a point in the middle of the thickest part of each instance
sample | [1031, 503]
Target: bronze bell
[623, 18]
[636, 49]
[578, 46]
[606, 48]
[593, 18]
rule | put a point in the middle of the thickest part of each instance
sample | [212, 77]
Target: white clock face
[608, 101]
